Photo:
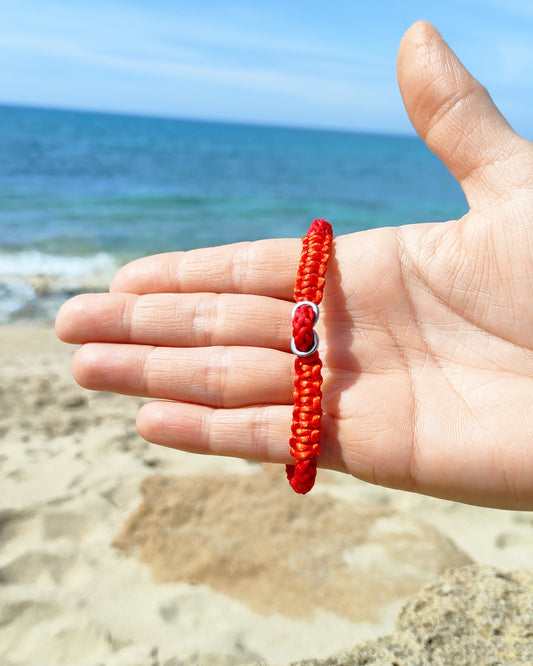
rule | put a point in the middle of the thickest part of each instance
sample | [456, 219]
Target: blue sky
[304, 63]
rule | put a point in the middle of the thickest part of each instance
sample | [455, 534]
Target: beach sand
[114, 551]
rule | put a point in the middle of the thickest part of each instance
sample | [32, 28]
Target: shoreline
[34, 284]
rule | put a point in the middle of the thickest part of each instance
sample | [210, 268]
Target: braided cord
[307, 411]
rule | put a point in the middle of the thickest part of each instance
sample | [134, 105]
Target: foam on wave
[33, 284]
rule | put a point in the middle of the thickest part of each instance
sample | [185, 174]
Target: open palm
[426, 331]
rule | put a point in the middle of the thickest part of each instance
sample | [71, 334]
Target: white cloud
[294, 59]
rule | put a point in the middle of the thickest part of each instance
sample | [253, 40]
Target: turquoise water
[81, 193]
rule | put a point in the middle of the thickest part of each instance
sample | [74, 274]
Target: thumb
[455, 116]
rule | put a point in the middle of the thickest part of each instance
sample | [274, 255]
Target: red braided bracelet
[307, 412]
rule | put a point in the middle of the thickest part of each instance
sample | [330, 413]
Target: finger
[254, 433]
[176, 320]
[455, 116]
[217, 376]
[265, 268]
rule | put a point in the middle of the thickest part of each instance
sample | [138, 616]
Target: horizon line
[209, 120]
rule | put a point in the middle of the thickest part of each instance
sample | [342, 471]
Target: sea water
[82, 193]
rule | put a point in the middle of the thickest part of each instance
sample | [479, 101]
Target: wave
[34, 284]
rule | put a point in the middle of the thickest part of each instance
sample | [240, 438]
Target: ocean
[82, 193]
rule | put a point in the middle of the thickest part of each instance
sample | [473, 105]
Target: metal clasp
[309, 352]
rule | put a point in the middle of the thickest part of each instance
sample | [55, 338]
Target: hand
[426, 330]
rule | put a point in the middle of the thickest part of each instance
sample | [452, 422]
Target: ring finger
[215, 376]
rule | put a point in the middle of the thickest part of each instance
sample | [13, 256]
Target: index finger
[265, 268]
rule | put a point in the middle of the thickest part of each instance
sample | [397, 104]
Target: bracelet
[307, 411]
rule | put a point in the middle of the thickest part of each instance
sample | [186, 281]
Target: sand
[114, 551]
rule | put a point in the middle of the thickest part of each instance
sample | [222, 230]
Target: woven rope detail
[307, 412]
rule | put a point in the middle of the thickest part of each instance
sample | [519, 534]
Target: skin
[426, 330]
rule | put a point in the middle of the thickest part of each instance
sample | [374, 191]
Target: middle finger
[177, 320]
[214, 376]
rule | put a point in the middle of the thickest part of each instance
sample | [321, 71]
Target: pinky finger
[258, 433]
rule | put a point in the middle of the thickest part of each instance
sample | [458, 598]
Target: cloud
[239, 54]
[183, 65]
[297, 57]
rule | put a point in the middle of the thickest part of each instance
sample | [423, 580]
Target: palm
[440, 394]
[425, 330]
